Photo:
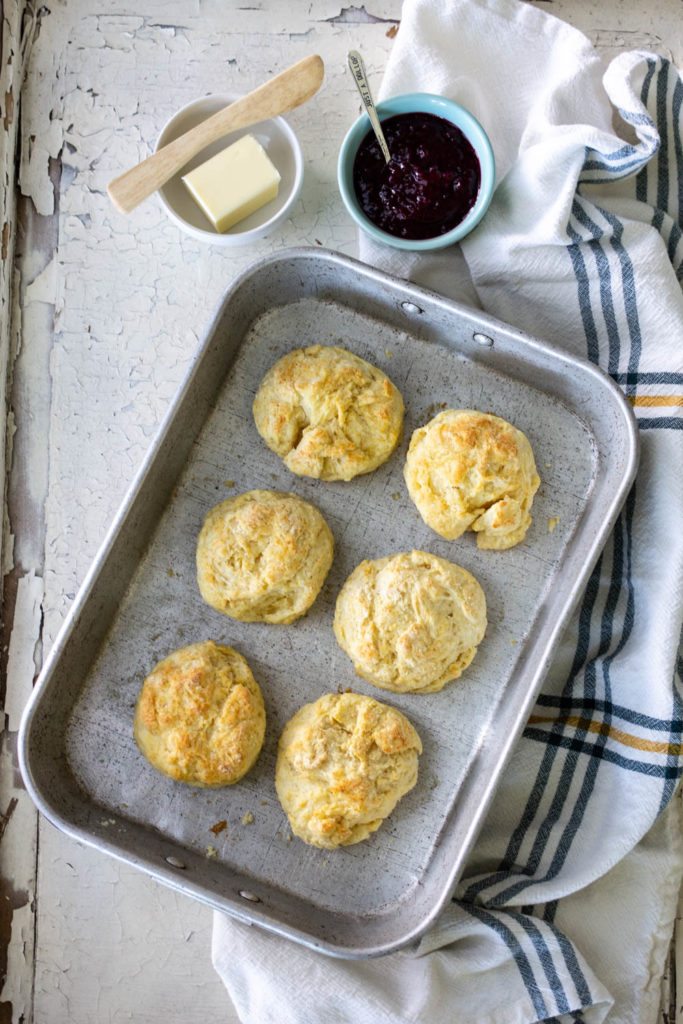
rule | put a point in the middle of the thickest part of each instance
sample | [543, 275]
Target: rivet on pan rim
[411, 307]
[251, 896]
[483, 340]
[175, 863]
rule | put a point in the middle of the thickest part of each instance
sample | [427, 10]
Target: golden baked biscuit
[343, 764]
[328, 413]
[263, 556]
[200, 718]
[410, 622]
[469, 470]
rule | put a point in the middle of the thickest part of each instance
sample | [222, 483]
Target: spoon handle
[361, 80]
[284, 92]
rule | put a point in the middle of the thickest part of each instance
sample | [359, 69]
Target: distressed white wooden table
[100, 315]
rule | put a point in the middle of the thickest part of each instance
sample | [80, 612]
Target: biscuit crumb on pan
[328, 413]
[263, 556]
[469, 470]
[343, 764]
[410, 622]
[200, 718]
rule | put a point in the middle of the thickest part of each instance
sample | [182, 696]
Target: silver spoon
[360, 78]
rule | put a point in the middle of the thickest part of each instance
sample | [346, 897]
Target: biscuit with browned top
[200, 718]
[469, 470]
[328, 413]
[343, 764]
[410, 622]
[263, 556]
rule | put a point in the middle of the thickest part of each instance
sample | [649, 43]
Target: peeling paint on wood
[18, 824]
[357, 16]
[8, 116]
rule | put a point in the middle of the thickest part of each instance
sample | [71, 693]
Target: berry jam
[430, 184]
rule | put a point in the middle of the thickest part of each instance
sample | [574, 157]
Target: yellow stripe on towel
[650, 401]
[602, 729]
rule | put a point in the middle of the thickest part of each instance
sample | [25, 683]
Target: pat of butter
[234, 183]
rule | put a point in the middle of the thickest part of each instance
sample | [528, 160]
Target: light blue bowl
[441, 107]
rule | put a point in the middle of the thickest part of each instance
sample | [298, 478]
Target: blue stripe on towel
[656, 377]
[621, 163]
[613, 167]
[661, 423]
[534, 929]
[583, 282]
[676, 733]
[607, 301]
[572, 963]
[549, 911]
[621, 568]
[634, 117]
[593, 246]
[663, 156]
[674, 770]
[545, 958]
[628, 284]
[592, 704]
[521, 959]
[675, 236]
[626, 560]
[642, 179]
[678, 142]
[610, 160]
[508, 862]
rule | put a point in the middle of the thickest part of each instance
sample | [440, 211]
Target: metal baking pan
[140, 601]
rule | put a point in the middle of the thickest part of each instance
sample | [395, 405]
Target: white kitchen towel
[566, 907]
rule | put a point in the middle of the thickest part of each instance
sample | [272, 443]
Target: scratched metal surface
[143, 602]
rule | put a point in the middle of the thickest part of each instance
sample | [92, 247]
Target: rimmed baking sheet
[141, 600]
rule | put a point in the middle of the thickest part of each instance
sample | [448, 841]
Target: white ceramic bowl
[279, 142]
